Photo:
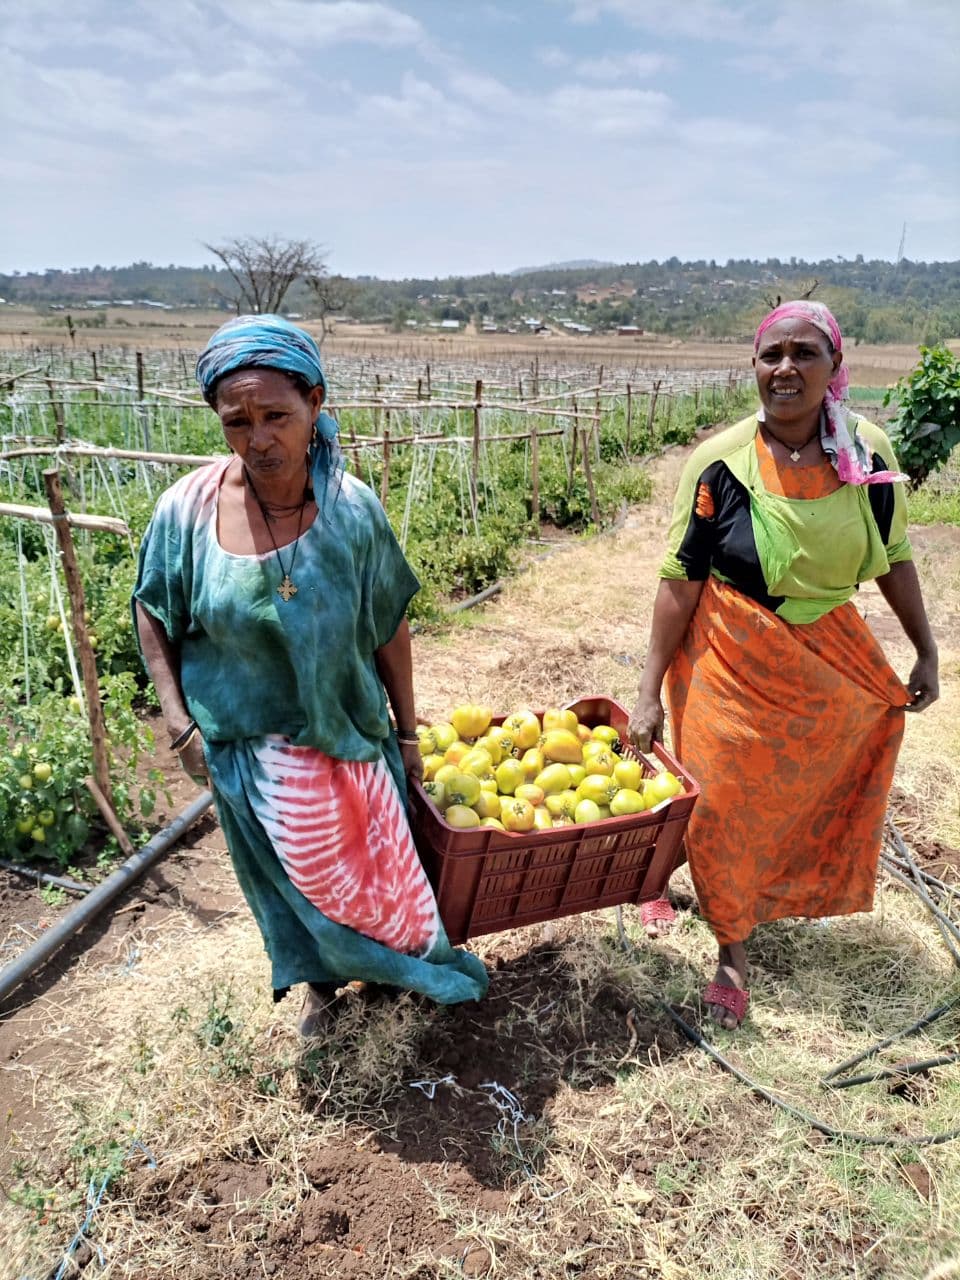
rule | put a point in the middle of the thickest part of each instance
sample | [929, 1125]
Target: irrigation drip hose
[834, 1078]
[44, 877]
[38, 952]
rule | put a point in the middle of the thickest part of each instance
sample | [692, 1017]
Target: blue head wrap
[263, 342]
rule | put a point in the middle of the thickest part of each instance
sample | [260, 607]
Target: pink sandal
[656, 909]
[735, 999]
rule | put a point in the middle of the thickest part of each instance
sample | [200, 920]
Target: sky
[429, 137]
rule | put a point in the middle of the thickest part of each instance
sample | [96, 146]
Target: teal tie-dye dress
[306, 772]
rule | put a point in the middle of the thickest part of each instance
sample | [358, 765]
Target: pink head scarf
[838, 435]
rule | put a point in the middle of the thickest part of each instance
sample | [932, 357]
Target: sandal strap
[656, 909]
[735, 999]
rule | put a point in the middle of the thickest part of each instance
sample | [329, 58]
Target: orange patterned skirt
[792, 732]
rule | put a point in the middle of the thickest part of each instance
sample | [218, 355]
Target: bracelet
[183, 739]
[408, 739]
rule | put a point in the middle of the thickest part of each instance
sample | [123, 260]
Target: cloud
[619, 66]
[320, 22]
[551, 56]
[609, 112]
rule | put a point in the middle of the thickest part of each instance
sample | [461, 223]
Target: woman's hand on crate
[412, 760]
[645, 725]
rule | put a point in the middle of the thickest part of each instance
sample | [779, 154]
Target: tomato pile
[529, 774]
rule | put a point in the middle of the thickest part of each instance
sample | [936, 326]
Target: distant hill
[874, 300]
[576, 264]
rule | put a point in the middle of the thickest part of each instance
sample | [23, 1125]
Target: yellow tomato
[531, 792]
[445, 734]
[461, 815]
[555, 777]
[586, 811]
[431, 764]
[470, 719]
[509, 774]
[627, 801]
[532, 763]
[517, 815]
[524, 727]
[663, 786]
[503, 739]
[562, 745]
[487, 804]
[542, 819]
[562, 805]
[605, 733]
[462, 789]
[495, 823]
[427, 741]
[577, 774]
[601, 762]
[598, 787]
[476, 761]
[456, 751]
[555, 718]
[445, 773]
[628, 773]
[488, 742]
[435, 790]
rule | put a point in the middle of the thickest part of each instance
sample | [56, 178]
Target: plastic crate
[487, 880]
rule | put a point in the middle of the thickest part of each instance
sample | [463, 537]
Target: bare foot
[731, 972]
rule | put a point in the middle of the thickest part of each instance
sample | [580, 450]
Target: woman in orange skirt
[782, 703]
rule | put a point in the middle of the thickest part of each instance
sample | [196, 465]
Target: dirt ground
[368, 1198]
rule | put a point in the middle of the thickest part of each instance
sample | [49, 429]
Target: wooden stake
[475, 463]
[652, 409]
[588, 476]
[57, 412]
[88, 663]
[385, 473]
[574, 436]
[109, 817]
[139, 375]
[535, 476]
[629, 416]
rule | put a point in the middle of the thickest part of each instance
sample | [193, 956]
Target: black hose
[830, 1080]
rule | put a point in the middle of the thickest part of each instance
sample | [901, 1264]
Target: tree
[330, 295]
[264, 267]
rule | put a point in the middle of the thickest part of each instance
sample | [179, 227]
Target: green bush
[926, 426]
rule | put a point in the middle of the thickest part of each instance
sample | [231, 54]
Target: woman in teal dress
[270, 605]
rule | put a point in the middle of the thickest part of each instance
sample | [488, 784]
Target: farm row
[471, 482]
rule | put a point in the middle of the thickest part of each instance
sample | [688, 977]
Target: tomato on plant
[42, 771]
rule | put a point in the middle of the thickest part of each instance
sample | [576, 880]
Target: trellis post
[88, 663]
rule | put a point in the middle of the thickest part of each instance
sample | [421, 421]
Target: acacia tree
[264, 267]
[330, 295]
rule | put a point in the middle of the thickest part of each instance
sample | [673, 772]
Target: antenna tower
[903, 237]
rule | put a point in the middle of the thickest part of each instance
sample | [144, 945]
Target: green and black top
[800, 557]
